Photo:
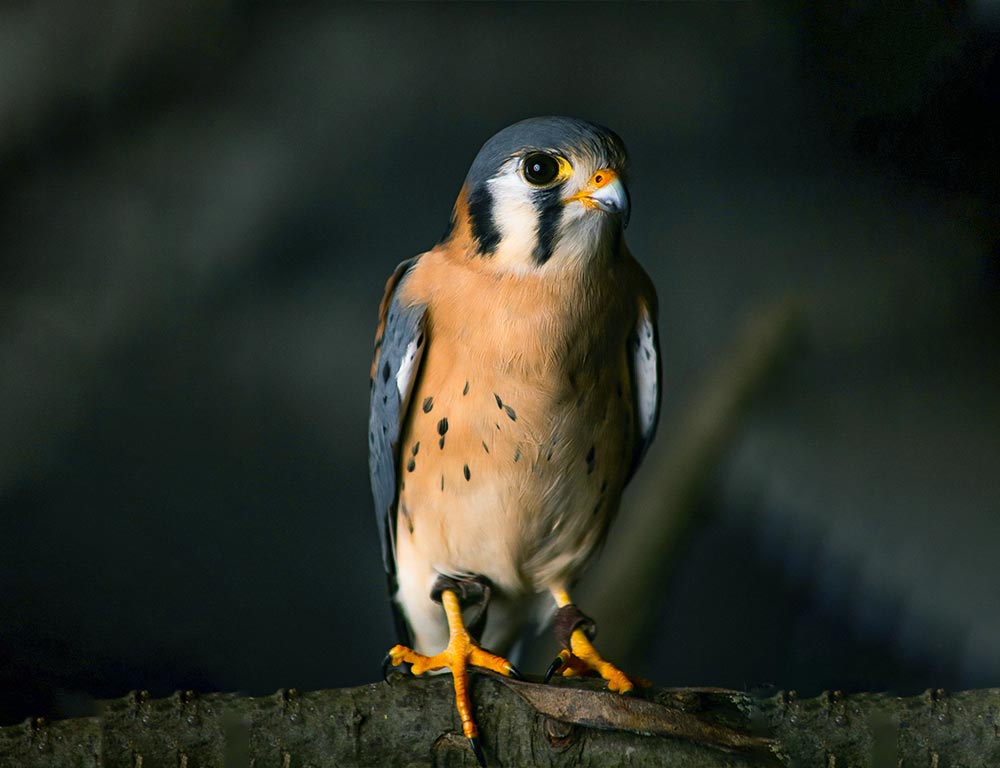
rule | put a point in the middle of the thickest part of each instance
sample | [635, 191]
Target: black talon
[386, 666]
[513, 672]
[477, 750]
[554, 667]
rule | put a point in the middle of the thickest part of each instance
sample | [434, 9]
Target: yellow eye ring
[542, 169]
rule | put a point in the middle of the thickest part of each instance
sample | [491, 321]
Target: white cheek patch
[514, 213]
[582, 235]
[646, 374]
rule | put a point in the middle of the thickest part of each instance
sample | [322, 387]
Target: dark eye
[540, 169]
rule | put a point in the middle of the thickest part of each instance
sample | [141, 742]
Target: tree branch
[412, 723]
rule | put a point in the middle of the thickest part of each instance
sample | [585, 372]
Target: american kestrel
[515, 390]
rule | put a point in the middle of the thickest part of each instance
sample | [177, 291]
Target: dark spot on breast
[499, 401]
[406, 514]
[498, 426]
[548, 456]
[510, 413]
[411, 465]
[465, 470]
[441, 443]
[442, 427]
[386, 371]
[420, 340]
[486, 447]
[604, 485]
[597, 508]
[590, 460]
[385, 399]
[517, 455]
[442, 481]
[416, 447]
[385, 429]
[465, 391]
[649, 355]
[428, 404]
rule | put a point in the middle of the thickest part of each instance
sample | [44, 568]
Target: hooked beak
[606, 192]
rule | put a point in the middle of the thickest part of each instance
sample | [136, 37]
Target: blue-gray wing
[644, 359]
[399, 346]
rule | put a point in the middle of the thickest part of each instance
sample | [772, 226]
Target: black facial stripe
[548, 203]
[484, 228]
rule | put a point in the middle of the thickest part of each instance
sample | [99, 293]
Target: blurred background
[200, 203]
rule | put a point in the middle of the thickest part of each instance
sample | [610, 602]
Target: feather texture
[399, 346]
[515, 466]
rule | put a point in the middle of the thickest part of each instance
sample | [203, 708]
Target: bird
[515, 389]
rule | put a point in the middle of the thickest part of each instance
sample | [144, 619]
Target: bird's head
[547, 192]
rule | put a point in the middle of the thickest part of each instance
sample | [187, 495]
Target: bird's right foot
[461, 653]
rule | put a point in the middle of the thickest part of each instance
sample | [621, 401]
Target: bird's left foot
[569, 664]
[580, 657]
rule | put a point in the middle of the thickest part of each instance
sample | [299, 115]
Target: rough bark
[412, 722]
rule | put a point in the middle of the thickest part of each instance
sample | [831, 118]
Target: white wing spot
[404, 377]
[645, 369]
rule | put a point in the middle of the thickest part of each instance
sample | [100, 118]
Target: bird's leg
[574, 631]
[462, 651]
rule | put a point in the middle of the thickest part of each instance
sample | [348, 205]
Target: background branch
[629, 577]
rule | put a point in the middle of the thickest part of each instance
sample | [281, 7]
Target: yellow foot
[585, 660]
[461, 653]
[457, 656]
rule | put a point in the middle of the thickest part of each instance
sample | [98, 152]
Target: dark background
[199, 205]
